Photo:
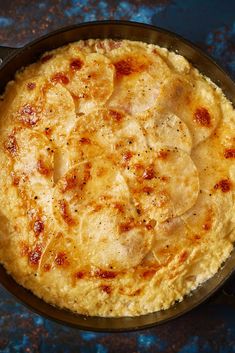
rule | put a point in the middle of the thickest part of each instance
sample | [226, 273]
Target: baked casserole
[117, 164]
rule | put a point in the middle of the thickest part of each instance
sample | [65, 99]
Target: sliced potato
[163, 183]
[137, 82]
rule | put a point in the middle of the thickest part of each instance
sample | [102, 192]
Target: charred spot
[48, 131]
[137, 292]
[38, 227]
[85, 141]
[117, 116]
[127, 226]
[47, 267]
[105, 274]
[164, 178]
[35, 255]
[151, 224]
[224, 185]
[28, 115]
[138, 167]
[76, 97]
[70, 183]
[163, 154]
[119, 206]
[76, 64]
[43, 168]
[60, 77]
[154, 51]
[183, 256]
[124, 67]
[97, 207]
[106, 288]
[147, 190]
[31, 85]
[91, 76]
[15, 179]
[229, 153]
[79, 275]
[65, 214]
[61, 259]
[128, 66]
[149, 173]
[206, 226]
[45, 58]
[202, 117]
[11, 145]
[148, 273]
[127, 156]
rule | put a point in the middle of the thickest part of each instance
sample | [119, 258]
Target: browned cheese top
[117, 164]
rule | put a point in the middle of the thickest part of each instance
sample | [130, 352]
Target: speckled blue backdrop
[207, 329]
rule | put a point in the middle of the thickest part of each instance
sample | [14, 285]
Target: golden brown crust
[116, 159]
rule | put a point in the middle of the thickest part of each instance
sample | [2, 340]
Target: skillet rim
[28, 299]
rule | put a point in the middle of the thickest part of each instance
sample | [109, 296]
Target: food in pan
[117, 164]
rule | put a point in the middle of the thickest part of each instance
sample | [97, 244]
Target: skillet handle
[5, 52]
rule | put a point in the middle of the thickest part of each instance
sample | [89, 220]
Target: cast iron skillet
[14, 59]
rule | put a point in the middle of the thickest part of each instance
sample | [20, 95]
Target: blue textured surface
[207, 329]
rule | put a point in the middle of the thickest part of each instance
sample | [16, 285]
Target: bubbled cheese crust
[117, 164]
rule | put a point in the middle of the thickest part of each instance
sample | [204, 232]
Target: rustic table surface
[211, 327]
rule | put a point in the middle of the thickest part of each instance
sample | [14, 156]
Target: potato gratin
[117, 178]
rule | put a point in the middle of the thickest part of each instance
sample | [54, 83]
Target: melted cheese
[116, 160]
[164, 183]
[137, 82]
[92, 85]
[193, 101]
[166, 130]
